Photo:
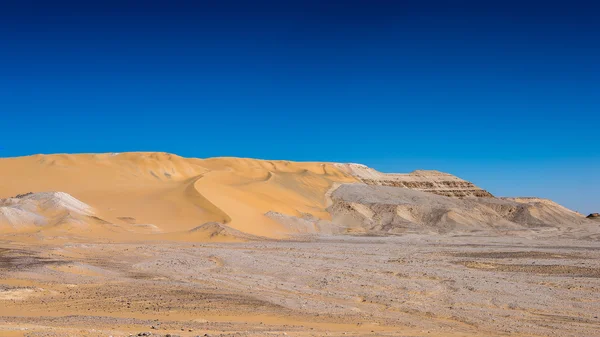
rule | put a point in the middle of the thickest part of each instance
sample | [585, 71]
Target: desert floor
[335, 286]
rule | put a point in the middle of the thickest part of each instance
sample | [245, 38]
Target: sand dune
[176, 194]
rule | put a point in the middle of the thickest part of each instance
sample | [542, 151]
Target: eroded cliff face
[430, 202]
[421, 180]
[393, 210]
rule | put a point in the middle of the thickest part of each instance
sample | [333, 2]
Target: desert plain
[153, 244]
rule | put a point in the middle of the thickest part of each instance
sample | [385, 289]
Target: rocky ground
[393, 210]
[411, 285]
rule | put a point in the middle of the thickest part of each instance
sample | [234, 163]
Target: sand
[414, 285]
[171, 194]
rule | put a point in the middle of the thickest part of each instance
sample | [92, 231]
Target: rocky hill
[387, 209]
[421, 180]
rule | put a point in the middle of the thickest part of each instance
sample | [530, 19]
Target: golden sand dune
[165, 193]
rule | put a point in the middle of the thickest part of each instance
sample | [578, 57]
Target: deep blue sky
[503, 93]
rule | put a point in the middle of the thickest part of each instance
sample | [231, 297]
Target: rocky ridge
[393, 210]
[421, 180]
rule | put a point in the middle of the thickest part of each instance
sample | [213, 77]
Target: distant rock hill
[387, 209]
[421, 180]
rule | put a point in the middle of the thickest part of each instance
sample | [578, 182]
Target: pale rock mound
[421, 180]
[14, 217]
[44, 209]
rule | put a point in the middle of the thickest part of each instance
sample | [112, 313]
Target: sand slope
[171, 194]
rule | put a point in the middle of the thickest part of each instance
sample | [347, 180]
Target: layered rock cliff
[421, 180]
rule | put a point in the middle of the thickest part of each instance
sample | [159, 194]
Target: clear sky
[503, 93]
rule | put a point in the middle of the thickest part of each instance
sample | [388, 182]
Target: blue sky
[506, 94]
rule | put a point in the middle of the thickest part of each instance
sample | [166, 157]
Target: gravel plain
[411, 285]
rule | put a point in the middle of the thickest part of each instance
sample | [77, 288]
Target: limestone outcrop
[421, 180]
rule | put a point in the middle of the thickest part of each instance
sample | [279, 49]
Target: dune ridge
[172, 194]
